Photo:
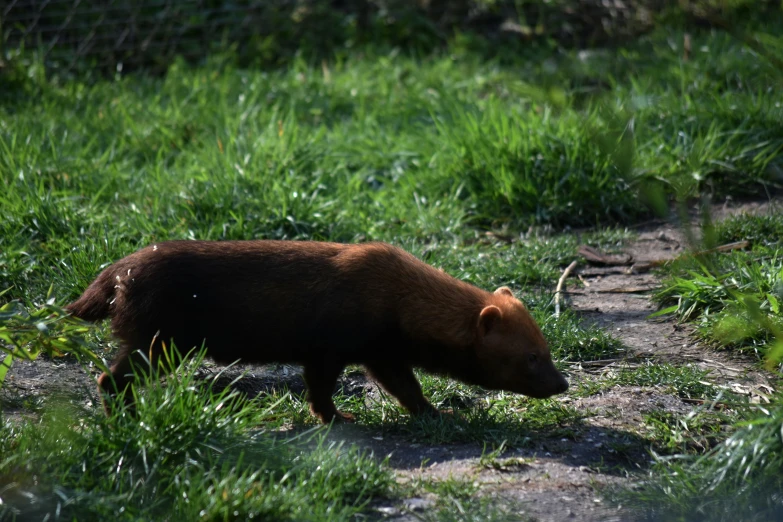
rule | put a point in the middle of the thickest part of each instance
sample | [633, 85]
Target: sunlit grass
[734, 298]
[186, 453]
[413, 151]
[737, 480]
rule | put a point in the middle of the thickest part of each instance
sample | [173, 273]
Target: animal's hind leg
[400, 381]
[123, 372]
[320, 379]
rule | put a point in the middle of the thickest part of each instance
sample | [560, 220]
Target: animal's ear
[488, 319]
[504, 290]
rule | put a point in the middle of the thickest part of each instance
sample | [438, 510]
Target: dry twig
[559, 288]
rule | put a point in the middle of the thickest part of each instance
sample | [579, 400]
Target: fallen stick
[626, 290]
[593, 255]
[603, 363]
[701, 402]
[559, 288]
[624, 362]
[728, 247]
[643, 266]
[605, 270]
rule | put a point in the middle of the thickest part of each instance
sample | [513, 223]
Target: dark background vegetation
[150, 33]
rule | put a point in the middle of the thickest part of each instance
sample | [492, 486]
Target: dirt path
[621, 304]
[557, 479]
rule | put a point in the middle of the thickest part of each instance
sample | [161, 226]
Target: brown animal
[321, 305]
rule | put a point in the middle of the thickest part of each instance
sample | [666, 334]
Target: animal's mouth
[544, 392]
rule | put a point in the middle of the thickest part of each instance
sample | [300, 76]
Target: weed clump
[735, 298]
[739, 479]
[187, 453]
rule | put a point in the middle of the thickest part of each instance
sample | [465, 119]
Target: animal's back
[259, 300]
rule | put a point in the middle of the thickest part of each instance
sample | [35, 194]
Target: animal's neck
[435, 356]
[443, 310]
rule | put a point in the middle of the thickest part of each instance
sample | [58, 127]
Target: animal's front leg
[320, 378]
[400, 381]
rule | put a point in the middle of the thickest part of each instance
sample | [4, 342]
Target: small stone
[417, 504]
[389, 511]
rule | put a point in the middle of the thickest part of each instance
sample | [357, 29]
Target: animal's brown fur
[324, 306]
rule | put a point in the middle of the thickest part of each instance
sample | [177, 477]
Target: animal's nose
[563, 387]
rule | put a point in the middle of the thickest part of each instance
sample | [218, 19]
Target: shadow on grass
[477, 426]
[620, 452]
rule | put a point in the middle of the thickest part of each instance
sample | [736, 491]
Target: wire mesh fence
[120, 33]
[111, 34]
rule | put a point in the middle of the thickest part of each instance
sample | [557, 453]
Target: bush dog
[323, 306]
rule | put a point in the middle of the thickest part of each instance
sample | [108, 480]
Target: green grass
[737, 480]
[475, 415]
[692, 433]
[685, 381]
[48, 330]
[490, 418]
[461, 499]
[191, 451]
[667, 432]
[734, 298]
[186, 454]
[760, 230]
[383, 147]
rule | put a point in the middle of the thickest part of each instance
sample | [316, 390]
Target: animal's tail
[95, 302]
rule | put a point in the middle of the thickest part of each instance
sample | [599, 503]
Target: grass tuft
[186, 453]
[738, 480]
[734, 298]
[686, 381]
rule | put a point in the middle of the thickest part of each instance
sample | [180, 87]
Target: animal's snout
[562, 386]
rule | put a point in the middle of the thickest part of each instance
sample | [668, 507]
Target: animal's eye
[533, 358]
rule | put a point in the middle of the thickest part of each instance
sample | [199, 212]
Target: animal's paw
[337, 417]
[434, 413]
[344, 417]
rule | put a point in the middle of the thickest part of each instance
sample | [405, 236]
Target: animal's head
[512, 352]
